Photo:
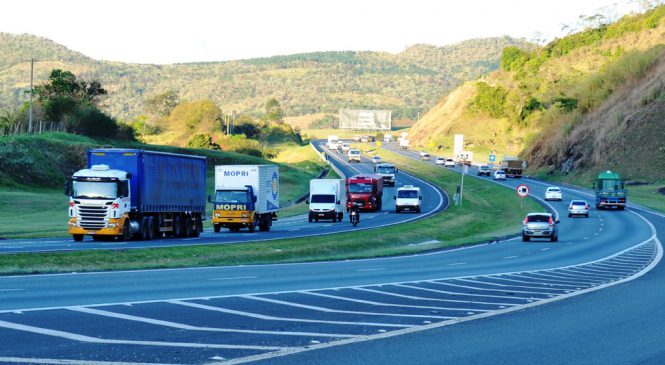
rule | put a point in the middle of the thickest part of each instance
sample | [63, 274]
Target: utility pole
[32, 72]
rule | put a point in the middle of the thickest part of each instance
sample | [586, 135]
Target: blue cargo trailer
[127, 193]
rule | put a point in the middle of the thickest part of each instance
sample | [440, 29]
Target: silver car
[578, 207]
[540, 225]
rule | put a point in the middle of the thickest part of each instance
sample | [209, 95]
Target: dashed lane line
[234, 278]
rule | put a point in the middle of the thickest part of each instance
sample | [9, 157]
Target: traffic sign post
[492, 157]
[522, 191]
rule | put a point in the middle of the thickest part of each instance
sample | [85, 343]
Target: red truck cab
[364, 188]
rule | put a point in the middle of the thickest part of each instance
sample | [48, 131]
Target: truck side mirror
[68, 188]
[420, 197]
[253, 199]
[394, 198]
[307, 201]
[209, 199]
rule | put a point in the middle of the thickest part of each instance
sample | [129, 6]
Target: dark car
[540, 225]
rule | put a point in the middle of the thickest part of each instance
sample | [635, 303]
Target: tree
[162, 104]
[63, 94]
[202, 140]
[274, 112]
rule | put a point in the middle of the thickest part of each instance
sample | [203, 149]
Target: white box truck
[327, 199]
[404, 144]
[333, 140]
[245, 196]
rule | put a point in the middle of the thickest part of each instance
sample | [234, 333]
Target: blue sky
[207, 30]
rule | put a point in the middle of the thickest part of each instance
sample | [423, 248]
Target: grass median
[488, 212]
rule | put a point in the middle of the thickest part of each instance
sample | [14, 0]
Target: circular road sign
[379, 143]
[522, 190]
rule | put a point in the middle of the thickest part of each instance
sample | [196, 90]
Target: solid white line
[183, 326]
[235, 278]
[329, 310]
[6, 290]
[293, 230]
[511, 257]
[378, 269]
[459, 294]
[283, 319]
[456, 264]
[88, 339]
[389, 304]
[578, 279]
[380, 292]
[545, 249]
[534, 281]
[500, 290]
[510, 286]
[21, 360]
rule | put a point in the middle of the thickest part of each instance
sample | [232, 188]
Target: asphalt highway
[593, 297]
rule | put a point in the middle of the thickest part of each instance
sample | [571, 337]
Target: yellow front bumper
[232, 217]
[108, 231]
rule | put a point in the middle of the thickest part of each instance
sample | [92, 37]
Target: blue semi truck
[131, 193]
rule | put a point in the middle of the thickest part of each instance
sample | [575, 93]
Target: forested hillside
[406, 83]
[592, 100]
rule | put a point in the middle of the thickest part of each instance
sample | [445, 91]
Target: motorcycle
[354, 214]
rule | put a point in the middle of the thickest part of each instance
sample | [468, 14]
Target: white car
[449, 163]
[440, 161]
[354, 155]
[376, 159]
[553, 193]
[422, 153]
[425, 157]
[499, 175]
[345, 147]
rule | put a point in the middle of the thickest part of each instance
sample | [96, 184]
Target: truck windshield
[231, 196]
[360, 188]
[385, 170]
[95, 190]
[319, 198]
[407, 194]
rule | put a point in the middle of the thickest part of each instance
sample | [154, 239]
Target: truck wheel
[340, 217]
[417, 210]
[150, 234]
[198, 226]
[310, 219]
[217, 228]
[126, 232]
[334, 219]
[526, 238]
[177, 226]
[187, 232]
[77, 237]
[252, 228]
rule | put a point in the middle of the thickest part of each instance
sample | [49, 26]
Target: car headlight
[244, 215]
[217, 215]
[112, 225]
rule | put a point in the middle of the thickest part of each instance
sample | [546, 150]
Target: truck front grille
[92, 217]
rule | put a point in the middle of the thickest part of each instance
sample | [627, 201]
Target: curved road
[593, 297]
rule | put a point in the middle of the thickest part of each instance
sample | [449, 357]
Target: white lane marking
[510, 286]
[426, 298]
[183, 326]
[235, 278]
[460, 294]
[192, 239]
[545, 249]
[593, 273]
[456, 264]
[535, 281]
[577, 279]
[497, 289]
[293, 230]
[377, 269]
[6, 290]
[282, 319]
[330, 310]
[511, 257]
[389, 304]
[328, 225]
[83, 338]
[23, 360]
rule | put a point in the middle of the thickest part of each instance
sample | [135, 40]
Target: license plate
[92, 232]
[321, 214]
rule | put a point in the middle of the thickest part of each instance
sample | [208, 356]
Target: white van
[326, 200]
[408, 198]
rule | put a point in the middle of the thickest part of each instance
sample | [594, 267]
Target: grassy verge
[487, 213]
[31, 214]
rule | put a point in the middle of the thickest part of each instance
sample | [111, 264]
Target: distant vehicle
[422, 153]
[376, 159]
[339, 149]
[345, 147]
[512, 167]
[408, 198]
[387, 137]
[484, 170]
[356, 138]
[425, 157]
[364, 139]
[610, 191]
[403, 144]
[354, 155]
[553, 193]
[465, 158]
[327, 199]
[366, 190]
[245, 196]
[440, 161]
[130, 193]
[388, 171]
[499, 175]
[333, 140]
[540, 225]
[578, 207]
[449, 163]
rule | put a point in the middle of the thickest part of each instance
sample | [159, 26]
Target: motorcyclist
[355, 208]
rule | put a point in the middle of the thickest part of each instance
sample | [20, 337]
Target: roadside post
[522, 191]
[465, 170]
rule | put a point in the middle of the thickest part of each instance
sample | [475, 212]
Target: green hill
[592, 100]
[321, 82]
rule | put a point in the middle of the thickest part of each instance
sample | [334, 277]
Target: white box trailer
[245, 196]
[327, 199]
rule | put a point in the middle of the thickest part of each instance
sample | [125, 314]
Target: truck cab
[326, 199]
[610, 191]
[388, 172]
[366, 190]
[408, 198]
[99, 202]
